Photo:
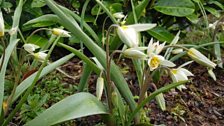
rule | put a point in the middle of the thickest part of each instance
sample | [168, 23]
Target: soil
[202, 103]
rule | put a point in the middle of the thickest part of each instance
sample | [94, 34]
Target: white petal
[30, 47]
[99, 87]
[212, 74]
[60, 32]
[167, 63]
[150, 47]
[181, 76]
[181, 87]
[186, 72]
[2, 26]
[128, 35]
[133, 53]
[200, 58]
[160, 48]
[142, 27]
[119, 15]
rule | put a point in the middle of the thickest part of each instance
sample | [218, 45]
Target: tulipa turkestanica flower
[30, 47]
[155, 48]
[134, 53]
[2, 26]
[156, 60]
[41, 56]
[60, 32]
[129, 34]
[200, 58]
[180, 74]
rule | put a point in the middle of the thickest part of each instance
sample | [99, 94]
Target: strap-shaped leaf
[28, 81]
[178, 8]
[75, 106]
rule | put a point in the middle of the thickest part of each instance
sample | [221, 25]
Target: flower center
[154, 63]
[174, 71]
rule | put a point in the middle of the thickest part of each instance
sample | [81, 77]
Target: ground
[202, 103]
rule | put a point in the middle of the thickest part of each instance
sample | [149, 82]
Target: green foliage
[85, 104]
[178, 8]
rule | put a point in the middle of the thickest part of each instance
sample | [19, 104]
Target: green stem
[107, 11]
[24, 98]
[40, 29]
[82, 20]
[133, 11]
[81, 56]
[152, 96]
[176, 46]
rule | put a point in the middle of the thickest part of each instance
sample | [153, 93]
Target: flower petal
[142, 27]
[167, 63]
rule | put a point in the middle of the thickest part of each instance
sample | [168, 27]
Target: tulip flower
[177, 51]
[30, 47]
[129, 34]
[154, 48]
[119, 15]
[200, 58]
[156, 60]
[60, 32]
[180, 74]
[2, 26]
[134, 53]
[99, 87]
[41, 56]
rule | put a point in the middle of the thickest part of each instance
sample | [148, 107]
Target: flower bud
[30, 47]
[200, 58]
[177, 51]
[134, 53]
[118, 15]
[41, 56]
[99, 87]
[60, 32]
[2, 26]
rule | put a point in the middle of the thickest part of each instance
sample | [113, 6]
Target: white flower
[180, 74]
[129, 33]
[2, 26]
[177, 51]
[41, 56]
[155, 48]
[30, 47]
[119, 15]
[134, 53]
[212, 26]
[60, 32]
[156, 60]
[200, 58]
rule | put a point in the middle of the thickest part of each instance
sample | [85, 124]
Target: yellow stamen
[154, 63]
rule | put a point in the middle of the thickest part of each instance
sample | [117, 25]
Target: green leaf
[8, 52]
[69, 23]
[213, 11]
[87, 70]
[38, 40]
[42, 19]
[217, 4]
[72, 107]
[38, 3]
[116, 7]
[161, 34]
[28, 81]
[193, 18]
[179, 8]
